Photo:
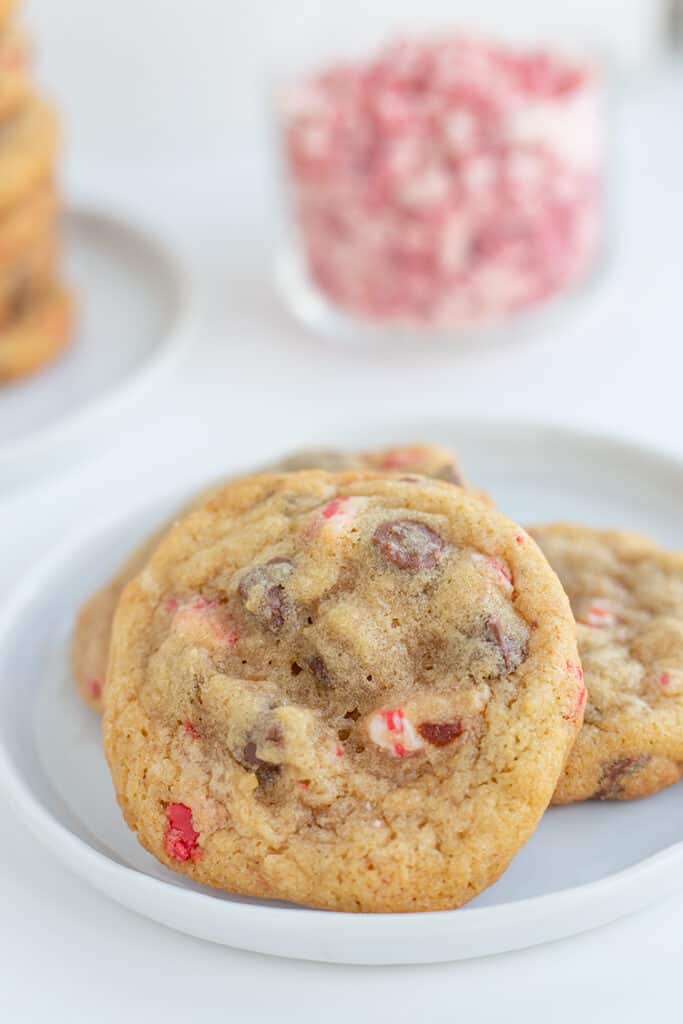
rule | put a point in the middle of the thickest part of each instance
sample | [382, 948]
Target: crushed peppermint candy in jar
[445, 183]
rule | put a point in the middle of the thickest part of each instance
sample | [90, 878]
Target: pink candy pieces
[597, 614]
[576, 711]
[94, 688]
[181, 840]
[337, 515]
[445, 183]
[499, 570]
[392, 730]
[202, 620]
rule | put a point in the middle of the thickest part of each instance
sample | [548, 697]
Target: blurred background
[167, 116]
[175, 82]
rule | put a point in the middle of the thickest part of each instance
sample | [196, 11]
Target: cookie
[26, 278]
[37, 335]
[627, 597]
[6, 10]
[423, 459]
[90, 645]
[349, 691]
[14, 81]
[28, 143]
[28, 222]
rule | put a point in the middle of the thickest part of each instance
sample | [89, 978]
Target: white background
[164, 106]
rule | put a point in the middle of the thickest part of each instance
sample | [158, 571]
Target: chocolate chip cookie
[627, 598]
[25, 224]
[350, 691]
[25, 278]
[6, 10]
[90, 645]
[14, 81]
[37, 334]
[28, 143]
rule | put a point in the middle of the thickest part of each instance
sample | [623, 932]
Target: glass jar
[447, 188]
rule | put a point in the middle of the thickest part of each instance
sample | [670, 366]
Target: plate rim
[143, 893]
[94, 411]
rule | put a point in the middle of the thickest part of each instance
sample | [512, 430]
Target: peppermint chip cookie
[423, 459]
[28, 143]
[350, 691]
[14, 81]
[90, 646]
[627, 598]
[25, 224]
[6, 9]
[38, 334]
[26, 278]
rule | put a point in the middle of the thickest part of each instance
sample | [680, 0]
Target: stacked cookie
[361, 689]
[35, 309]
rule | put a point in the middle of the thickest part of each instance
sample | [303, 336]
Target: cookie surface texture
[627, 597]
[348, 691]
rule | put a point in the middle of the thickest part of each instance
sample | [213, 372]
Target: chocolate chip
[409, 544]
[275, 734]
[440, 734]
[262, 590]
[614, 774]
[511, 649]
[265, 771]
[249, 756]
[319, 670]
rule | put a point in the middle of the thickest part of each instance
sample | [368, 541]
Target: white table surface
[257, 385]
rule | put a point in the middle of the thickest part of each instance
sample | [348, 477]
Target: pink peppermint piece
[597, 614]
[181, 840]
[399, 458]
[338, 515]
[575, 670]
[392, 730]
[664, 679]
[94, 687]
[334, 508]
[498, 568]
[190, 730]
[200, 620]
[576, 711]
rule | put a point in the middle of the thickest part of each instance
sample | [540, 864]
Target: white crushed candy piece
[392, 730]
[378, 823]
[429, 188]
[480, 698]
[460, 129]
[525, 169]
[597, 613]
[479, 173]
[498, 568]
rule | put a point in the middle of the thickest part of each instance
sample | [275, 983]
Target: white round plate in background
[134, 312]
[586, 864]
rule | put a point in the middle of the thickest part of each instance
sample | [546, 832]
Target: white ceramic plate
[134, 313]
[585, 865]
